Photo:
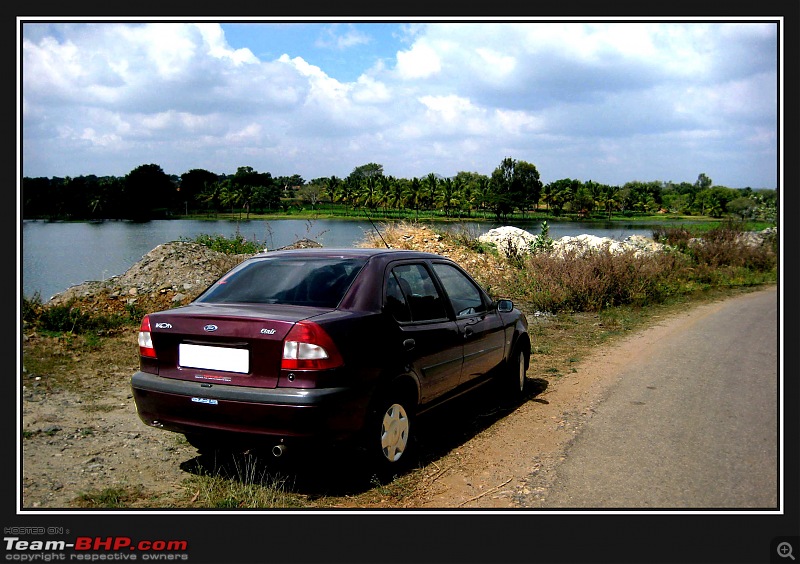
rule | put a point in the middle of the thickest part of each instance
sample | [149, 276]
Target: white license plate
[214, 358]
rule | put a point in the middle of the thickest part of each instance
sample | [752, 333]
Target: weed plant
[109, 498]
[230, 245]
[239, 482]
[69, 318]
[593, 279]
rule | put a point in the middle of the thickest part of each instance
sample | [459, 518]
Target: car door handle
[409, 344]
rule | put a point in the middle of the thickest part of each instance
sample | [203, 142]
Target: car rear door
[430, 339]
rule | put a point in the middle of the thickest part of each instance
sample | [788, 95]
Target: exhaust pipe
[278, 450]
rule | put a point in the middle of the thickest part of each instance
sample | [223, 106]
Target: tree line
[514, 187]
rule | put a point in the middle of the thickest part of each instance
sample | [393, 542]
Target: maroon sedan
[325, 344]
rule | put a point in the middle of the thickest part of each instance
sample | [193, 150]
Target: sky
[601, 100]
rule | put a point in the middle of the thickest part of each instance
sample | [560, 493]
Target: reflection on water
[55, 256]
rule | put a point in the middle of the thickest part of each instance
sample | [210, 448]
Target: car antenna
[376, 229]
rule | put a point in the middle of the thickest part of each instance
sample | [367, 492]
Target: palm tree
[230, 195]
[246, 197]
[396, 196]
[446, 198]
[329, 188]
[547, 195]
[714, 207]
[595, 193]
[431, 188]
[645, 202]
[414, 194]
[466, 197]
[384, 187]
[212, 195]
[559, 196]
[484, 193]
[608, 199]
[368, 192]
[346, 192]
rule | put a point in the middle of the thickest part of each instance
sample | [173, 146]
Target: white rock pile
[513, 240]
[509, 239]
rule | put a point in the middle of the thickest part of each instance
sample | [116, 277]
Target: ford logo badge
[210, 328]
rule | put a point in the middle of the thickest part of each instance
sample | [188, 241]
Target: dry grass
[594, 280]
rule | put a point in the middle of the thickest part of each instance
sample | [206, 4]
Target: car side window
[396, 303]
[421, 300]
[464, 295]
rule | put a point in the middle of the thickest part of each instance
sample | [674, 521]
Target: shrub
[236, 245]
[68, 318]
[676, 237]
[727, 247]
[594, 279]
[467, 238]
[31, 308]
[543, 243]
[581, 281]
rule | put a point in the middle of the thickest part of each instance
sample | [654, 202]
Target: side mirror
[505, 306]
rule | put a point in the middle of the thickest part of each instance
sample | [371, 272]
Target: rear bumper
[269, 414]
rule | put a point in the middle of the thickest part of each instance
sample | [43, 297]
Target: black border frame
[542, 536]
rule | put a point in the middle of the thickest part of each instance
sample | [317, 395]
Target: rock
[513, 240]
[508, 239]
[301, 244]
[160, 280]
[582, 244]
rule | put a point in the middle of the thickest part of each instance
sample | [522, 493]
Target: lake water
[54, 256]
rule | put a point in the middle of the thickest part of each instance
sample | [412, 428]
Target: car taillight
[145, 341]
[309, 347]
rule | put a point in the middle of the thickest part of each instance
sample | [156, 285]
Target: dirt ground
[81, 434]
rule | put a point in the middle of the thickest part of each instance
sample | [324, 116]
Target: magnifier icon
[785, 550]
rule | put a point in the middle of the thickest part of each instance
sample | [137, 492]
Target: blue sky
[343, 50]
[609, 101]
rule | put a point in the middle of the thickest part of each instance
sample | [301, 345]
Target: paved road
[692, 425]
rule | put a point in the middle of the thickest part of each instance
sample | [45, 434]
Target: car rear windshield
[319, 282]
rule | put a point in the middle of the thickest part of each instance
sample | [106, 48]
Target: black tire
[390, 438]
[514, 377]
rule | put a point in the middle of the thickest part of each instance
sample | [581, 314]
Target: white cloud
[322, 86]
[448, 109]
[566, 96]
[250, 132]
[92, 137]
[421, 61]
[498, 66]
[370, 91]
[217, 46]
[342, 37]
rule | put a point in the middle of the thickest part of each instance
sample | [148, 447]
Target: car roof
[350, 252]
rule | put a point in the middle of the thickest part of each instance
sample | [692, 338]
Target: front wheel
[515, 374]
